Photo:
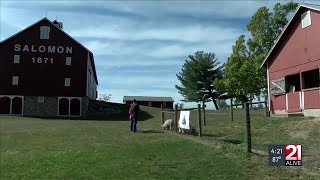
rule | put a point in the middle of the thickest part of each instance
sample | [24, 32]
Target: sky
[140, 46]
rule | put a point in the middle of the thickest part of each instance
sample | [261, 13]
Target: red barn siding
[293, 102]
[43, 79]
[299, 50]
[312, 99]
[278, 102]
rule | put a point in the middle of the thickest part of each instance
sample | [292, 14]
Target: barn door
[16, 105]
[5, 105]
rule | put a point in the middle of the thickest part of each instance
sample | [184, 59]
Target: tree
[239, 73]
[265, 27]
[104, 97]
[197, 75]
[181, 105]
[243, 76]
[222, 104]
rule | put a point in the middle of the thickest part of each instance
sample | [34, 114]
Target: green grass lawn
[34, 148]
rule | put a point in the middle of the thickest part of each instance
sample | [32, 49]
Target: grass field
[34, 148]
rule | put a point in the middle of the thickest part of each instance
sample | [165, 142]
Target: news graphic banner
[285, 154]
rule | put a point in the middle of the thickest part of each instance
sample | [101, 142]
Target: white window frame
[16, 59]
[68, 61]
[15, 80]
[67, 82]
[306, 19]
[44, 32]
[41, 99]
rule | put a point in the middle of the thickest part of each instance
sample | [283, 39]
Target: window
[15, 80]
[44, 32]
[310, 79]
[293, 83]
[306, 19]
[68, 61]
[67, 82]
[164, 104]
[278, 86]
[16, 59]
[41, 99]
[149, 103]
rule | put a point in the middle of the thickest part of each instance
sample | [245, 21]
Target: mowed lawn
[85, 149]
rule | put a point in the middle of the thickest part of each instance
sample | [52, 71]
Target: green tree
[222, 104]
[197, 75]
[239, 74]
[243, 76]
[265, 27]
[104, 97]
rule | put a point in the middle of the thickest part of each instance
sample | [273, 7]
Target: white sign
[184, 120]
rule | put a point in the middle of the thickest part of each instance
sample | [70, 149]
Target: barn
[166, 102]
[293, 65]
[45, 72]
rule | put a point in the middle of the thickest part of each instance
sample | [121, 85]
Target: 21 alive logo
[293, 154]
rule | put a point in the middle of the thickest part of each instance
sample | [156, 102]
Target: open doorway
[293, 83]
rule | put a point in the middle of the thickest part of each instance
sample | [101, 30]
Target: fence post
[176, 117]
[248, 127]
[231, 109]
[204, 113]
[199, 120]
[162, 115]
[266, 107]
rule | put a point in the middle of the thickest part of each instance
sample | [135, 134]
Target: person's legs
[131, 126]
[135, 125]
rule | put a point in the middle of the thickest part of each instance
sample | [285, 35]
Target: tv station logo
[285, 154]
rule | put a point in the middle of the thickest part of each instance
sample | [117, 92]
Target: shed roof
[308, 6]
[148, 98]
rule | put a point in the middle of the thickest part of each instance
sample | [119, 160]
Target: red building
[293, 65]
[45, 72]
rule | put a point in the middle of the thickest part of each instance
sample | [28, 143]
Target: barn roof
[308, 6]
[148, 98]
[46, 19]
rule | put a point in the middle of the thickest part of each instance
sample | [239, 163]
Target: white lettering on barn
[43, 49]
[17, 47]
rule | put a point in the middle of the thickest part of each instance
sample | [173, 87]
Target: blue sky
[140, 46]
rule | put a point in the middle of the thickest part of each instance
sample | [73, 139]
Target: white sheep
[167, 124]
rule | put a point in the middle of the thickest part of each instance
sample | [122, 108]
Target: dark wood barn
[166, 102]
[45, 72]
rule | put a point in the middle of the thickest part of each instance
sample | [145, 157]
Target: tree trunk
[215, 104]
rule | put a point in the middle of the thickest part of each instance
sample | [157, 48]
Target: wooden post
[231, 109]
[204, 113]
[199, 120]
[162, 115]
[248, 127]
[266, 107]
[176, 117]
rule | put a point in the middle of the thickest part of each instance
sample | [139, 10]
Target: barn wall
[42, 79]
[298, 51]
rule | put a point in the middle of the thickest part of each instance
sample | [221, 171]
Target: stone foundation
[34, 108]
[311, 112]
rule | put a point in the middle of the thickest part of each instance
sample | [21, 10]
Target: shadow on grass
[143, 116]
[232, 141]
[211, 135]
[150, 131]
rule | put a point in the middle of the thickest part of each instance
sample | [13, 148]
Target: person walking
[134, 109]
